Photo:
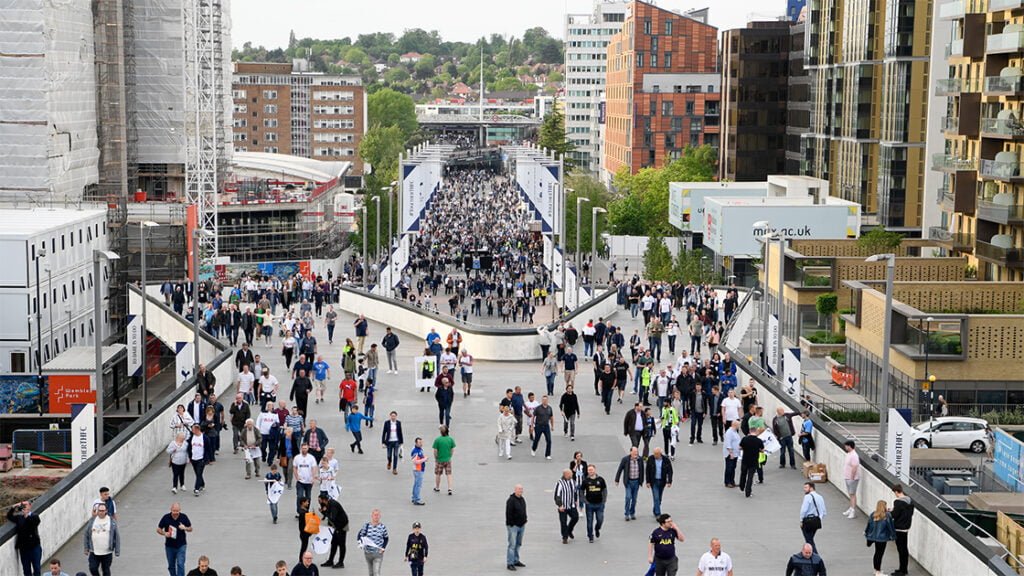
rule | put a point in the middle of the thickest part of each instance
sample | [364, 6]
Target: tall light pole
[366, 263]
[702, 259]
[390, 188]
[883, 405]
[779, 289]
[764, 225]
[145, 224]
[97, 334]
[376, 247]
[593, 241]
[196, 235]
[561, 235]
[929, 378]
[579, 201]
[39, 324]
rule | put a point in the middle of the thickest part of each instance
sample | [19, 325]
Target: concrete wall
[484, 343]
[65, 508]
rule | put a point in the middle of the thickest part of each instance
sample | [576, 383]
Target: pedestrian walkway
[466, 533]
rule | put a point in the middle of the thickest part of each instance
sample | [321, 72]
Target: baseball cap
[416, 525]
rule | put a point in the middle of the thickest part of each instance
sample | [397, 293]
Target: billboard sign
[729, 222]
[68, 389]
[83, 433]
[772, 345]
[898, 439]
[686, 200]
[791, 373]
[136, 340]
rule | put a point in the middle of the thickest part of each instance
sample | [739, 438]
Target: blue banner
[1009, 461]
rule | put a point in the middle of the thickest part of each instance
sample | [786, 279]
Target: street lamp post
[883, 405]
[765, 309]
[142, 266]
[930, 378]
[702, 259]
[391, 235]
[376, 250]
[39, 328]
[593, 242]
[579, 201]
[97, 335]
[196, 235]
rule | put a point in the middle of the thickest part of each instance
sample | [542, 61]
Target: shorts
[467, 377]
[321, 385]
[851, 486]
[443, 467]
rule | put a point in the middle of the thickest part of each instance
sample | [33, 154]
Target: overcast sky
[268, 22]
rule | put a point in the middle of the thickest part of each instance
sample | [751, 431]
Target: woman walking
[288, 348]
[506, 432]
[181, 422]
[879, 531]
[178, 451]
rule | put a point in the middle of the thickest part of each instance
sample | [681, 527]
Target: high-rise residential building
[981, 195]
[755, 86]
[868, 68]
[586, 59]
[663, 88]
[284, 109]
[798, 106]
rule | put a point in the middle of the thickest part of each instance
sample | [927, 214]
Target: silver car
[952, 432]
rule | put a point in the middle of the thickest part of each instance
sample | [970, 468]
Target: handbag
[284, 461]
[312, 525]
[812, 522]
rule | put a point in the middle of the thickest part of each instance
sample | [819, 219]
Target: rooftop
[286, 166]
[82, 359]
[20, 223]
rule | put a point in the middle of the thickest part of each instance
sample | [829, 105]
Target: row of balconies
[1002, 43]
[997, 249]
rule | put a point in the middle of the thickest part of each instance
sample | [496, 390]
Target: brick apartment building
[663, 88]
[283, 109]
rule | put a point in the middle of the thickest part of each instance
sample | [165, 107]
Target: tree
[425, 67]
[688, 266]
[292, 41]
[380, 147]
[657, 259]
[879, 241]
[826, 305]
[552, 136]
[583, 186]
[390, 108]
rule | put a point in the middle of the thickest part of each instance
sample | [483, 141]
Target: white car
[952, 432]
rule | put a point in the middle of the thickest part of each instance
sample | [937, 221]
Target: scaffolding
[204, 113]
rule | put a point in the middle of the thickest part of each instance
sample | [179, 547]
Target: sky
[268, 22]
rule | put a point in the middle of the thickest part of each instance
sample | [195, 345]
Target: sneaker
[548, 457]
[420, 503]
[196, 492]
[533, 452]
[520, 564]
[511, 567]
[591, 539]
[174, 490]
[597, 532]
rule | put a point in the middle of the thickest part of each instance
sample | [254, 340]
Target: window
[240, 123]
[666, 108]
[668, 27]
[647, 25]
[270, 94]
[270, 149]
[639, 59]
[270, 109]
[711, 88]
[18, 362]
[270, 136]
[689, 108]
[654, 59]
[270, 122]
[667, 60]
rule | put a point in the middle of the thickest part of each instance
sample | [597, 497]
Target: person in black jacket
[806, 563]
[515, 524]
[301, 387]
[659, 476]
[27, 543]
[391, 438]
[390, 343]
[751, 447]
[337, 518]
[632, 467]
[569, 406]
[902, 516]
[444, 395]
[244, 357]
[416, 550]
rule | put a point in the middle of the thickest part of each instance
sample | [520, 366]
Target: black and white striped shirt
[567, 493]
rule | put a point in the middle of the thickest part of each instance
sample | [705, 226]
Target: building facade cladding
[311, 115]
[798, 108]
[586, 42]
[755, 70]
[648, 127]
[868, 70]
[981, 197]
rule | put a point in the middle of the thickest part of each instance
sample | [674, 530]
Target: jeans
[31, 560]
[417, 483]
[657, 489]
[338, 545]
[417, 568]
[538, 431]
[787, 446]
[515, 540]
[632, 488]
[809, 536]
[175, 560]
[302, 490]
[606, 398]
[549, 379]
[717, 431]
[197, 467]
[747, 477]
[98, 563]
[392, 360]
[273, 510]
[633, 309]
[654, 345]
[373, 562]
[805, 447]
[696, 425]
[588, 347]
[236, 437]
[569, 426]
[567, 520]
[393, 448]
[330, 333]
[444, 415]
[671, 344]
[178, 476]
[694, 344]
[595, 513]
[902, 551]
[730, 471]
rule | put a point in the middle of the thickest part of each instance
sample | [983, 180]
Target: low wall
[483, 342]
[936, 542]
[65, 508]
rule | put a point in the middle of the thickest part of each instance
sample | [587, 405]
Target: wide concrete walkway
[466, 531]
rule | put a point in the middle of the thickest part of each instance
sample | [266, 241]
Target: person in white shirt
[246, 379]
[268, 387]
[714, 562]
[102, 541]
[197, 455]
[304, 465]
[466, 368]
[731, 408]
[528, 406]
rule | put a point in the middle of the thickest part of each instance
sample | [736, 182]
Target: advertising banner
[791, 382]
[1009, 460]
[729, 222]
[19, 393]
[898, 440]
[686, 200]
[68, 389]
[771, 347]
[135, 340]
[184, 362]
[83, 433]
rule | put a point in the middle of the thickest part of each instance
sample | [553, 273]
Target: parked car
[952, 432]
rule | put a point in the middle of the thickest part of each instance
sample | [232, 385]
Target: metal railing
[947, 162]
[1000, 169]
[1010, 127]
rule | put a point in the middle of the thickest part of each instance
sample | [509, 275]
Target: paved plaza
[466, 533]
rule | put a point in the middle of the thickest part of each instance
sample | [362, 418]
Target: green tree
[396, 75]
[657, 259]
[552, 136]
[826, 305]
[879, 241]
[688, 266]
[425, 67]
[583, 186]
[390, 108]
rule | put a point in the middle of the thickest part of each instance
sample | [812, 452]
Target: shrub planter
[819, 350]
[830, 362]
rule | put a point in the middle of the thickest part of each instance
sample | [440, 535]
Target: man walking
[390, 344]
[698, 407]
[632, 467]
[851, 475]
[304, 469]
[806, 562]
[661, 549]
[239, 412]
[515, 525]
[543, 420]
[172, 527]
[812, 512]
[360, 325]
[444, 450]
[782, 426]
[391, 438]
[633, 424]
[659, 477]
[750, 448]
[567, 499]
[731, 452]
[595, 494]
[714, 562]
[569, 406]
[419, 466]
[334, 513]
[102, 541]
[902, 516]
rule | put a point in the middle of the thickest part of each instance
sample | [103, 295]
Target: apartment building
[586, 59]
[284, 109]
[981, 195]
[663, 88]
[755, 86]
[798, 106]
[869, 70]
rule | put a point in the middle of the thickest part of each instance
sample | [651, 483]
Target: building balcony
[1004, 85]
[1000, 5]
[994, 211]
[956, 240]
[955, 49]
[1005, 128]
[999, 255]
[947, 199]
[955, 86]
[952, 10]
[1004, 43]
[946, 163]
[951, 124]
[1005, 170]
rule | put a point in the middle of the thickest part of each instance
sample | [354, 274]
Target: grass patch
[823, 337]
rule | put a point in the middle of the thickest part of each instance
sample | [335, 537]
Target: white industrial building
[47, 279]
[586, 60]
